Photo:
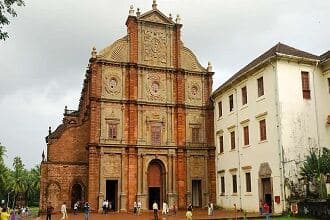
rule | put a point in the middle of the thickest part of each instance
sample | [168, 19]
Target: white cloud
[42, 64]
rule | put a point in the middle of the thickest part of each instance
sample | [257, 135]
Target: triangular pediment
[156, 16]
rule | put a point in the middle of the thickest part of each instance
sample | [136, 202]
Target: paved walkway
[197, 215]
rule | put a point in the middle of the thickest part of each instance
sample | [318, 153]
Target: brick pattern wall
[81, 143]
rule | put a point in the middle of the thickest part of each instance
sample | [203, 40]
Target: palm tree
[17, 178]
[315, 168]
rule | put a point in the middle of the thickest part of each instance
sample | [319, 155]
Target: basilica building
[143, 130]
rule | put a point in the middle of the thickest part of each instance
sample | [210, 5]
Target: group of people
[64, 212]
[165, 211]
[14, 214]
[106, 206]
[137, 207]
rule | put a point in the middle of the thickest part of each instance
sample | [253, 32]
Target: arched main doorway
[76, 194]
[156, 182]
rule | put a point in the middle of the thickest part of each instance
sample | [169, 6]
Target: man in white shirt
[63, 211]
[155, 208]
[139, 204]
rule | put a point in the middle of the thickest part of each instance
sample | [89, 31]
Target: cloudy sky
[43, 63]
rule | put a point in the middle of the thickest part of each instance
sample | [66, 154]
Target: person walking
[104, 207]
[174, 208]
[189, 213]
[266, 210]
[64, 211]
[155, 208]
[49, 211]
[139, 204]
[75, 208]
[86, 211]
[4, 214]
[164, 211]
[135, 207]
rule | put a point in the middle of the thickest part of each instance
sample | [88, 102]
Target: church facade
[144, 126]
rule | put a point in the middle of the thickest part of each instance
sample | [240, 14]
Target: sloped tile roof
[272, 52]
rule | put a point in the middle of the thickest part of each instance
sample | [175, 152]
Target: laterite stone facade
[144, 126]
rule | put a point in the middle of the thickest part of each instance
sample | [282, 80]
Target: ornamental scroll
[155, 43]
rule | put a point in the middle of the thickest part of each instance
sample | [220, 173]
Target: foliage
[316, 163]
[315, 168]
[20, 184]
[6, 9]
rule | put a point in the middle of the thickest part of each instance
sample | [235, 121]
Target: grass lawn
[287, 218]
[34, 211]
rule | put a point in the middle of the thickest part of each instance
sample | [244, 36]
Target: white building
[267, 117]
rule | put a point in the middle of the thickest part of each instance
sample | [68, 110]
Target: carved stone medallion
[111, 84]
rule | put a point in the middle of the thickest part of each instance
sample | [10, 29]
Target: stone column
[123, 195]
[139, 170]
[188, 193]
[206, 189]
[170, 174]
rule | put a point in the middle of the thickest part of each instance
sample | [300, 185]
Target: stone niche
[155, 45]
[112, 113]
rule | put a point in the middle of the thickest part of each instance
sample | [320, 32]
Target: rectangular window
[155, 135]
[221, 144]
[195, 135]
[248, 181]
[234, 183]
[222, 184]
[262, 125]
[220, 109]
[329, 84]
[112, 131]
[261, 86]
[244, 95]
[246, 135]
[305, 85]
[231, 103]
[232, 140]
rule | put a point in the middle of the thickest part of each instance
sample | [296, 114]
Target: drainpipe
[279, 139]
[317, 121]
[316, 109]
[238, 153]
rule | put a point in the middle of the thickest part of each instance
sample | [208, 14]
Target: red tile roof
[272, 52]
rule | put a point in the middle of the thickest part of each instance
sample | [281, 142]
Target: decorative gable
[157, 17]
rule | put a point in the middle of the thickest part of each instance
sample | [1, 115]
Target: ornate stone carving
[112, 84]
[117, 52]
[155, 87]
[264, 170]
[189, 60]
[157, 17]
[154, 46]
[111, 165]
[194, 91]
[197, 166]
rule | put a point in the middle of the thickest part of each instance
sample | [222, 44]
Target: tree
[6, 9]
[18, 179]
[315, 168]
